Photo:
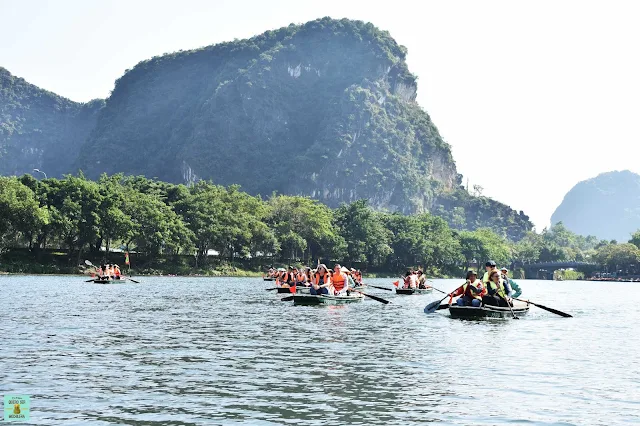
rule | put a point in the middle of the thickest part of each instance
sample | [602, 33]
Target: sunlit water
[225, 351]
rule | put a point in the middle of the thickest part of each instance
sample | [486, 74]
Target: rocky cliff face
[606, 206]
[325, 109]
[39, 129]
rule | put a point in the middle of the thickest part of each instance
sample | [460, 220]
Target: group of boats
[300, 295]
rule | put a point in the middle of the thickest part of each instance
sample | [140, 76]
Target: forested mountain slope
[39, 129]
[325, 109]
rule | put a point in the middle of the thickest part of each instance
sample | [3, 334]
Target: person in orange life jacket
[116, 271]
[321, 281]
[288, 277]
[301, 278]
[339, 281]
[471, 292]
[496, 292]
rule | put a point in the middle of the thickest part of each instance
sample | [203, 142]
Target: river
[200, 351]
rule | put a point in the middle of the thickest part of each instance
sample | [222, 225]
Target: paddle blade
[432, 307]
[86, 262]
[376, 298]
[555, 311]
[271, 289]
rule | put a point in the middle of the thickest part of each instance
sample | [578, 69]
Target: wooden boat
[486, 311]
[110, 281]
[324, 299]
[414, 290]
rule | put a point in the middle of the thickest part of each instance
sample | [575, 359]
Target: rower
[340, 281]
[116, 271]
[471, 291]
[321, 281]
[496, 294]
[409, 280]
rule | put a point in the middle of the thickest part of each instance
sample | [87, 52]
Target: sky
[532, 96]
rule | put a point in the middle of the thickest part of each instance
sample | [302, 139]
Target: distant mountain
[39, 129]
[325, 109]
[607, 206]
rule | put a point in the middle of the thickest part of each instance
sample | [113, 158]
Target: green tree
[20, 212]
[367, 240]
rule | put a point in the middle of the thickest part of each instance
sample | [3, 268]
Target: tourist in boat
[410, 280]
[358, 277]
[490, 267]
[116, 272]
[496, 292]
[321, 281]
[504, 274]
[422, 280]
[301, 278]
[100, 271]
[339, 281]
[471, 291]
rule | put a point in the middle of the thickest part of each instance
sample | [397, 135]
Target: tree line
[156, 218]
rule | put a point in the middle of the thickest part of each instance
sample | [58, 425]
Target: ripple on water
[224, 351]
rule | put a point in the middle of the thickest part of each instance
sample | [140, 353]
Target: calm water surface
[183, 351]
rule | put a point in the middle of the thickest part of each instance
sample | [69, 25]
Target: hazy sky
[532, 96]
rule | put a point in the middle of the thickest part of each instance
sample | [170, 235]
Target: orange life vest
[318, 277]
[338, 282]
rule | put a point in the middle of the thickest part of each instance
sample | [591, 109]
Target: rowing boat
[325, 299]
[487, 311]
[414, 290]
[110, 281]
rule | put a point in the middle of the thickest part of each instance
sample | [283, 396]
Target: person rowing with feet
[321, 281]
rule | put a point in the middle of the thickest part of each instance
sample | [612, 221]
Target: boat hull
[470, 312]
[309, 299]
[409, 291]
[120, 281]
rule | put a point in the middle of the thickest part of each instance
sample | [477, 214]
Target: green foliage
[465, 212]
[482, 245]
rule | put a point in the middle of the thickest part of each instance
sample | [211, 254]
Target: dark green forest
[152, 218]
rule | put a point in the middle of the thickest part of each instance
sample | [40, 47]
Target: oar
[131, 279]
[271, 289]
[381, 288]
[509, 305]
[433, 306]
[376, 298]
[287, 299]
[91, 280]
[546, 308]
